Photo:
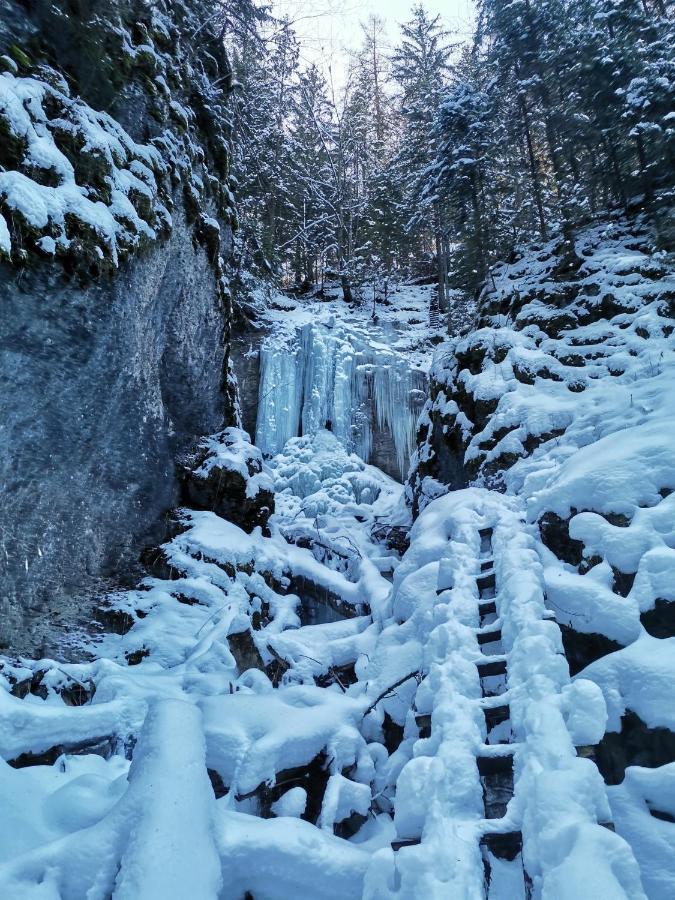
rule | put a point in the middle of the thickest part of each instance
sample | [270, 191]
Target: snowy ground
[310, 714]
[348, 706]
[564, 399]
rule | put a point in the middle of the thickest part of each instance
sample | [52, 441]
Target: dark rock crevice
[635, 745]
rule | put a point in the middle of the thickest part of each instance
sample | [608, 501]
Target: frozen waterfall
[327, 375]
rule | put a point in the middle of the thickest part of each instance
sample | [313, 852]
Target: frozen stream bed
[307, 712]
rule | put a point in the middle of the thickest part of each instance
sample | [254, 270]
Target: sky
[328, 29]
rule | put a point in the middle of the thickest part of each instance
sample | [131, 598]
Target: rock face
[114, 332]
[545, 336]
[227, 476]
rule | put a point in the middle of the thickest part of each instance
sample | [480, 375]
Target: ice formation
[331, 375]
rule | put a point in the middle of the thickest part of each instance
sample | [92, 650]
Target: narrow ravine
[309, 697]
[337, 450]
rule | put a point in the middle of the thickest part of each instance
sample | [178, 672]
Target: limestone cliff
[115, 220]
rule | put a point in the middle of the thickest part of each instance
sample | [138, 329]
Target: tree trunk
[642, 157]
[534, 172]
[441, 264]
[611, 152]
[346, 289]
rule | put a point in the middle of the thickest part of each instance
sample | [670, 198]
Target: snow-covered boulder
[227, 476]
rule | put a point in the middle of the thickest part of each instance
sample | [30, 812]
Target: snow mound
[227, 475]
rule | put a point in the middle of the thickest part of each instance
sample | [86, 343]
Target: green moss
[20, 57]
[146, 60]
[208, 236]
[192, 202]
[116, 61]
[92, 168]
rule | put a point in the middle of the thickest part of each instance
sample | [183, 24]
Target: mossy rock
[19, 56]
[146, 60]
[208, 235]
[7, 64]
[48, 177]
[92, 168]
[12, 146]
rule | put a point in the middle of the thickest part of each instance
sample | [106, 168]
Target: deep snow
[193, 710]
[314, 713]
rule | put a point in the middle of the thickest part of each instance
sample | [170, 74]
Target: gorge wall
[115, 217]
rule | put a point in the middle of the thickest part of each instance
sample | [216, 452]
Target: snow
[293, 803]
[193, 710]
[129, 170]
[251, 737]
[586, 412]
[651, 838]
[613, 475]
[315, 673]
[588, 604]
[280, 858]
[231, 450]
[566, 406]
[5, 240]
[639, 678]
[45, 803]
[171, 850]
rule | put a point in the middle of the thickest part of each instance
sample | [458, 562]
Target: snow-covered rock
[226, 475]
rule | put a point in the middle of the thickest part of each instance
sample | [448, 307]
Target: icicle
[337, 378]
[279, 397]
